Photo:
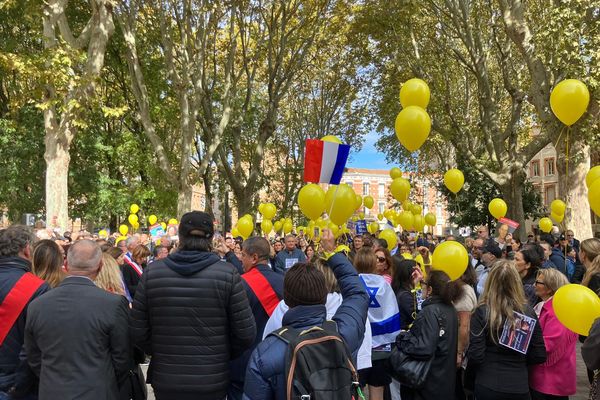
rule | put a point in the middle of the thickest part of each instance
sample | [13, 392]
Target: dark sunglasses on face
[540, 283]
[381, 259]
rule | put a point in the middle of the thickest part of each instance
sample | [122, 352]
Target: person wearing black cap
[192, 316]
[305, 292]
[490, 253]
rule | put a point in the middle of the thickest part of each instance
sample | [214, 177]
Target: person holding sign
[505, 337]
[289, 256]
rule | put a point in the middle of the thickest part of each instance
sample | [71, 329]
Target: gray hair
[257, 245]
[84, 255]
[14, 239]
[131, 240]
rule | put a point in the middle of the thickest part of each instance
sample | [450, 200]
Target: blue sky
[368, 156]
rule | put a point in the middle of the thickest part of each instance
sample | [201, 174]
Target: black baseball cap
[562, 237]
[492, 248]
[196, 223]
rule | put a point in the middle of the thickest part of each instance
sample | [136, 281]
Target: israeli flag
[384, 315]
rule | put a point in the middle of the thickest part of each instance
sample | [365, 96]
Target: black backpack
[318, 364]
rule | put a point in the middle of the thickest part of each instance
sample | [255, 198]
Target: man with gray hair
[76, 336]
[289, 256]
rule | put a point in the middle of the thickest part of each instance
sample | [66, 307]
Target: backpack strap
[262, 289]
[330, 326]
[16, 300]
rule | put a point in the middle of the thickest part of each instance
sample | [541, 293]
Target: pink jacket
[557, 376]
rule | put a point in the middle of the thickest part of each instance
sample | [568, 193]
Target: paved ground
[582, 380]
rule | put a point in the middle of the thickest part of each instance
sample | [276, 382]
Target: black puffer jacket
[192, 315]
[434, 334]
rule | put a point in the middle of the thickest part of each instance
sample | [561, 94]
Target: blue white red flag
[324, 162]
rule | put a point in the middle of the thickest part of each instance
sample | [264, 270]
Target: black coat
[497, 367]
[191, 314]
[12, 370]
[425, 339]
[77, 341]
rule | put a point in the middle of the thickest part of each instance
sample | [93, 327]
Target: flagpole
[333, 201]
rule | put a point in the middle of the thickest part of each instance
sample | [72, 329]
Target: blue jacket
[13, 371]
[237, 371]
[558, 259]
[265, 376]
[283, 255]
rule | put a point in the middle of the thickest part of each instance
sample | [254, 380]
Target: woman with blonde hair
[109, 278]
[556, 378]
[588, 254]
[499, 366]
[47, 262]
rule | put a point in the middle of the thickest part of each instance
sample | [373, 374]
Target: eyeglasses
[569, 235]
[381, 259]
[540, 283]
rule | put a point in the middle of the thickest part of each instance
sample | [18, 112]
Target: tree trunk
[57, 173]
[572, 188]
[184, 199]
[512, 193]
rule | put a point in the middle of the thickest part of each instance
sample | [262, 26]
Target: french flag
[324, 162]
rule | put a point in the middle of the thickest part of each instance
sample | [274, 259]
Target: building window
[365, 188]
[381, 207]
[535, 168]
[549, 166]
[367, 212]
[381, 190]
[550, 194]
[438, 211]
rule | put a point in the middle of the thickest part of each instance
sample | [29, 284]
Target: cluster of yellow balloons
[557, 210]
[454, 180]
[592, 180]
[133, 218]
[576, 307]
[498, 208]
[413, 123]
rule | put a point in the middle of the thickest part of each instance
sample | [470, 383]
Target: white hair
[84, 255]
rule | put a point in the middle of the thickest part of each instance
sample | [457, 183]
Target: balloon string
[333, 201]
[567, 187]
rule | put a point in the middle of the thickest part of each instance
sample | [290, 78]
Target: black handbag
[408, 371]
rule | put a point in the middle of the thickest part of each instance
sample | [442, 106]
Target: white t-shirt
[467, 300]
[334, 300]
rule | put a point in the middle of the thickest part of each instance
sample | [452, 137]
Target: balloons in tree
[414, 92]
[412, 127]
[569, 100]
[311, 200]
[134, 208]
[390, 237]
[400, 189]
[266, 226]
[576, 307]
[454, 180]
[123, 229]
[594, 196]
[452, 258]
[406, 220]
[277, 226]
[430, 219]
[245, 227]
[343, 200]
[133, 219]
[497, 208]
[332, 139]
[368, 201]
[395, 172]
[558, 207]
[546, 225]
[269, 210]
[152, 219]
[419, 223]
[592, 176]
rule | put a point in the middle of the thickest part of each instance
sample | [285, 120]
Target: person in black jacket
[16, 244]
[500, 371]
[434, 335]
[192, 316]
[406, 275]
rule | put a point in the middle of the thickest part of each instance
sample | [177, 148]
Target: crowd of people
[209, 312]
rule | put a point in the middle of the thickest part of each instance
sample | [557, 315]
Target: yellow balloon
[592, 176]
[358, 202]
[388, 214]
[407, 205]
[266, 226]
[390, 237]
[102, 234]
[558, 207]
[164, 226]
[497, 208]
[406, 220]
[380, 217]
[234, 232]
[136, 226]
[452, 258]
[414, 92]
[123, 229]
[594, 196]
[416, 209]
[454, 180]
[172, 221]
[412, 127]
[261, 207]
[269, 211]
[569, 100]
[430, 219]
[558, 218]
[333, 228]
[287, 227]
[133, 219]
[343, 200]
[368, 200]
[245, 227]
[395, 172]
[546, 225]
[277, 226]
[332, 139]
[576, 307]
[311, 200]
[119, 239]
[134, 208]
[152, 219]
[419, 223]
[400, 189]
